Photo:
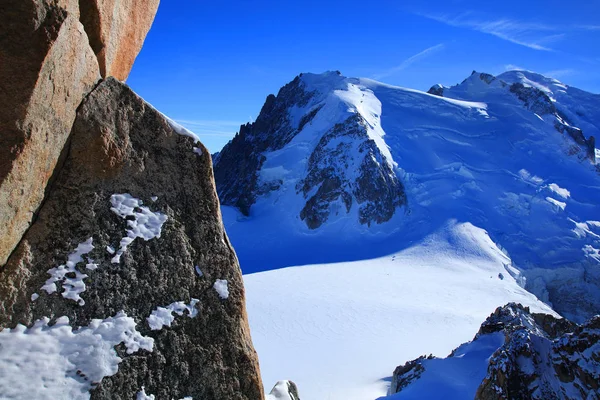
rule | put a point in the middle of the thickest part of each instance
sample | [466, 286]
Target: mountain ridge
[503, 153]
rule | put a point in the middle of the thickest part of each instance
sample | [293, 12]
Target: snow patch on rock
[164, 315]
[79, 359]
[221, 287]
[145, 224]
[68, 276]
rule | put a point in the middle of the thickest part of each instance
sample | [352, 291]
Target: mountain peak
[367, 168]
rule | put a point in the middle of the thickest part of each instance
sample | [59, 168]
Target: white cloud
[532, 35]
[513, 67]
[409, 61]
[560, 73]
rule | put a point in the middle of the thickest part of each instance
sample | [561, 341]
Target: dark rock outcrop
[238, 164]
[487, 78]
[284, 390]
[533, 98]
[347, 148]
[346, 167]
[437, 90]
[405, 374]
[132, 187]
[542, 357]
[538, 102]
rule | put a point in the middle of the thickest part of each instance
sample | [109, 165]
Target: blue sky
[211, 64]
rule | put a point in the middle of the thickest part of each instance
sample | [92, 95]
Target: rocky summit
[117, 279]
[528, 356]
[346, 170]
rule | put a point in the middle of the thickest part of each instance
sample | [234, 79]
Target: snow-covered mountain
[343, 169]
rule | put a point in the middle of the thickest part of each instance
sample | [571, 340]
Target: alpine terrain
[408, 218]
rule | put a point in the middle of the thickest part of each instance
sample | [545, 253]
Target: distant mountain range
[341, 169]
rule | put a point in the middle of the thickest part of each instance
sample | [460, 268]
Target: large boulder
[52, 54]
[46, 69]
[128, 250]
[117, 29]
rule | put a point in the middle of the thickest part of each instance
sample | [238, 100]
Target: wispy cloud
[410, 60]
[532, 35]
[560, 73]
[211, 127]
[513, 67]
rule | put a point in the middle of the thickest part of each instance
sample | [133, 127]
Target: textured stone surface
[46, 69]
[117, 29]
[120, 144]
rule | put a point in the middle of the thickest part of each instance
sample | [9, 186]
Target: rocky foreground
[117, 279]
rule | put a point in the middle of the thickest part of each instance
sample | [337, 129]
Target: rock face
[117, 29]
[540, 103]
[542, 357]
[46, 69]
[345, 168]
[539, 357]
[132, 224]
[330, 179]
[52, 54]
[237, 166]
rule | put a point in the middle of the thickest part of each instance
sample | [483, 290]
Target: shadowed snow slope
[511, 154]
[339, 330]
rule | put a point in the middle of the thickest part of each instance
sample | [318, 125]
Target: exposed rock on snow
[542, 358]
[437, 90]
[241, 159]
[119, 144]
[348, 166]
[519, 355]
[284, 390]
